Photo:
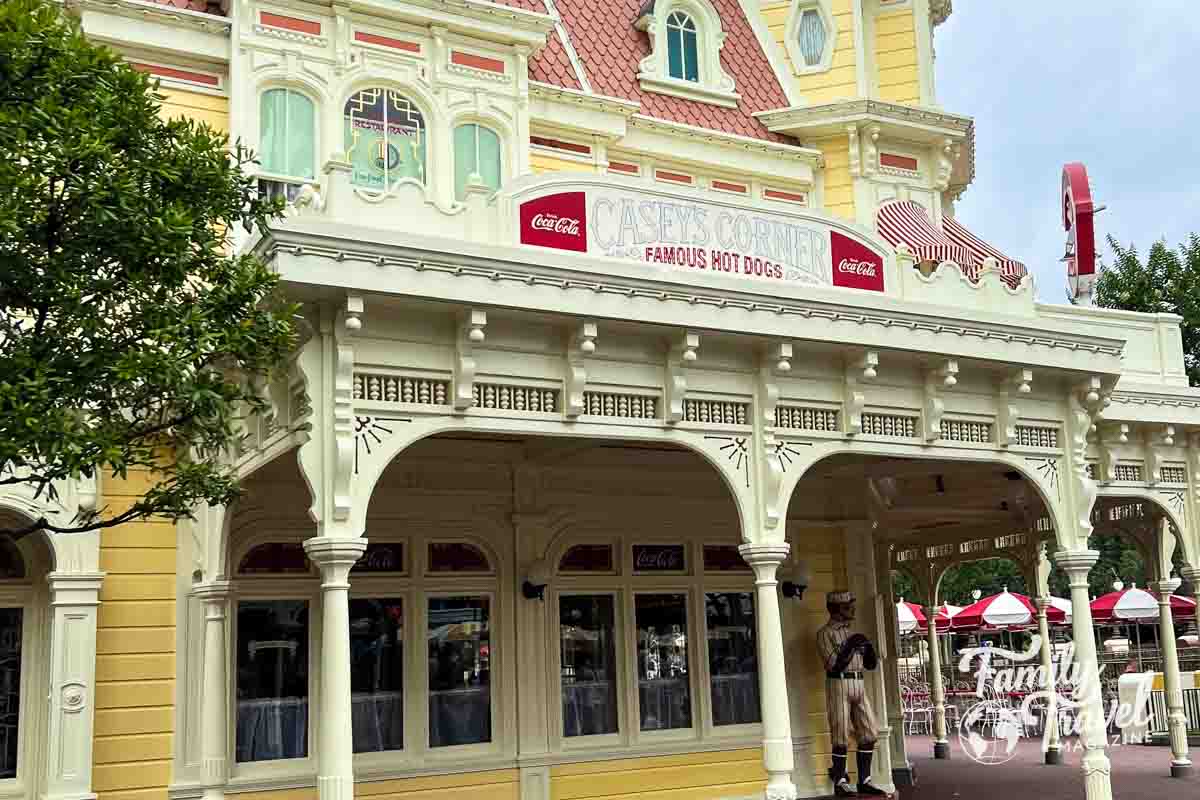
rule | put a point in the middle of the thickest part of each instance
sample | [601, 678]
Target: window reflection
[732, 657]
[272, 679]
[377, 673]
[10, 688]
[460, 697]
[587, 627]
[664, 694]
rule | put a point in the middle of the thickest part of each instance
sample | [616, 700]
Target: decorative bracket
[855, 153]
[680, 357]
[582, 345]
[1009, 413]
[1156, 439]
[947, 154]
[937, 380]
[1108, 437]
[1193, 458]
[858, 371]
[346, 327]
[871, 150]
[775, 362]
[470, 333]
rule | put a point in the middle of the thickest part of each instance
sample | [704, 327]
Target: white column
[214, 690]
[902, 772]
[1193, 575]
[74, 599]
[941, 744]
[765, 559]
[1096, 767]
[334, 556]
[1177, 725]
[1053, 753]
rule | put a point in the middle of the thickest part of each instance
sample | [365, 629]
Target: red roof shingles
[610, 49]
[524, 5]
[203, 6]
[552, 65]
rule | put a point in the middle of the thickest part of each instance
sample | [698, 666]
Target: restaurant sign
[695, 236]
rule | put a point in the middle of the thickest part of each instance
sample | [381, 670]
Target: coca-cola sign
[557, 220]
[658, 558]
[854, 265]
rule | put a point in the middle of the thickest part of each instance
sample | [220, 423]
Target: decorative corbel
[855, 151]
[1193, 457]
[1156, 438]
[871, 151]
[1164, 552]
[859, 370]
[679, 358]
[346, 327]
[341, 42]
[945, 165]
[470, 333]
[1107, 439]
[1008, 415]
[776, 361]
[581, 346]
[937, 380]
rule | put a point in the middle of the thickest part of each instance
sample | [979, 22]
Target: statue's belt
[844, 676]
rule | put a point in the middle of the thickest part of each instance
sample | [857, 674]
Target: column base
[1181, 770]
[1053, 756]
[904, 776]
[941, 750]
[335, 787]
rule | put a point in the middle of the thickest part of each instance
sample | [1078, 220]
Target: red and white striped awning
[1011, 270]
[906, 221]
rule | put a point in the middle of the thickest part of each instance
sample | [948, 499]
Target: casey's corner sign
[689, 235]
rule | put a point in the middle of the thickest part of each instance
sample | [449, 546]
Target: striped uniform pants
[849, 712]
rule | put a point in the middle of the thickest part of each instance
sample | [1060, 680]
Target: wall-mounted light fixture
[794, 579]
[536, 578]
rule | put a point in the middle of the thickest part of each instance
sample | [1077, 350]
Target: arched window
[286, 140]
[476, 158]
[385, 139]
[811, 35]
[682, 49]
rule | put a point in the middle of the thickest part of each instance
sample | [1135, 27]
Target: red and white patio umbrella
[1132, 605]
[1063, 605]
[945, 613]
[909, 616]
[1007, 610]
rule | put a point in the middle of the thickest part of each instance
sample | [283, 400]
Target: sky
[1114, 85]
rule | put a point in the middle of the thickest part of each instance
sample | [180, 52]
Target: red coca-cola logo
[557, 220]
[855, 266]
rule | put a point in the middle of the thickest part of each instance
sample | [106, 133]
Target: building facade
[616, 316]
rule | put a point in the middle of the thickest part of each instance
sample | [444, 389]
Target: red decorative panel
[556, 220]
[559, 144]
[622, 167]
[899, 162]
[787, 197]
[673, 177]
[477, 62]
[726, 186]
[855, 266]
[177, 74]
[289, 23]
[387, 41]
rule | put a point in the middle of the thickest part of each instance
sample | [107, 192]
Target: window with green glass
[287, 135]
[385, 139]
[682, 50]
[476, 158]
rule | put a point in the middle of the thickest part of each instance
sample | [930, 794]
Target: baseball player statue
[846, 655]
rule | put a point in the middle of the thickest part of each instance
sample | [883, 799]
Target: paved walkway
[1139, 773]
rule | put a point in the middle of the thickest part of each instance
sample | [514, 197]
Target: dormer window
[685, 38]
[810, 36]
[681, 47]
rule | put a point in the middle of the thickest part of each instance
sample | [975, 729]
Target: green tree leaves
[130, 334]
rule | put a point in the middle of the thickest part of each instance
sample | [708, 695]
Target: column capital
[1193, 575]
[1166, 588]
[1076, 560]
[1041, 604]
[335, 556]
[764, 559]
[212, 591]
[75, 588]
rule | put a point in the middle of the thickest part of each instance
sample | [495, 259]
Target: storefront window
[587, 558]
[476, 158]
[280, 558]
[384, 138]
[457, 557]
[664, 693]
[587, 631]
[377, 673]
[272, 679]
[10, 688]
[460, 654]
[732, 657]
[682, 60]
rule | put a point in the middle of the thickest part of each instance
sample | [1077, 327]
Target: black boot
[865, 754]
[837, 774]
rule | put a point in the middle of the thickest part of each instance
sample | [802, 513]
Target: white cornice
[588, 100]
[746, 143]
[139, 9]
[472, 17]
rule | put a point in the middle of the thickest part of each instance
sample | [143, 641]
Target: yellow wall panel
[156, 535]
[132, 561]
[157, 793]
[122, 749]
[137, 587]
[838, 196]
[307, 793]
[899, 22]
[540, 162]
[135, 694]
[692, 776]
[136, 613]
[196, 105]
[896, 59]
[135, 667]
[110, 777]
[134, 721]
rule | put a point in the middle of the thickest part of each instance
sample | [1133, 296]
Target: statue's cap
[839, 597]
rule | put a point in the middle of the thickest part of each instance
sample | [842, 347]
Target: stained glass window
[385, 139]
[476, 158]
[682, 48]
[287, 134]
[812, 34]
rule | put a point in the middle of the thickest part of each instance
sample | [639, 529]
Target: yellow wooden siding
[896, 57]
[840, 81]
[839, 186]
[135, 639]
[542, 162]
[209, 108]
[501, 784]
[692, 776]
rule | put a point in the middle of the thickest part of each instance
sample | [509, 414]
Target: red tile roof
[524, 5]
[610, 49]
[551, 64]
[203, 6]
